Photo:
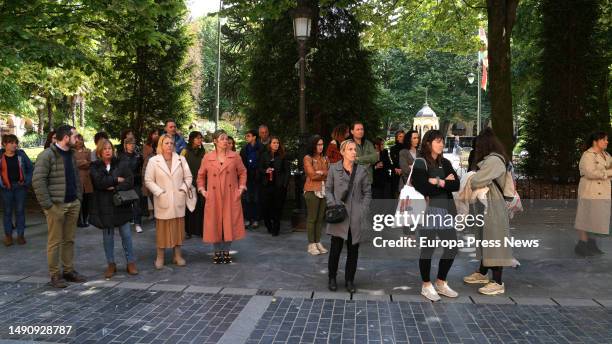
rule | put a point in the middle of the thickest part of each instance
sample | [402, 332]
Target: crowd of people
[220, 194]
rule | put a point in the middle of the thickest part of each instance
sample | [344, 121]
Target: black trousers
[351, 257]
[273, 199]
[448, 256]
[84, 212]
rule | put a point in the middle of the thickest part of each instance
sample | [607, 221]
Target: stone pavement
[276, 293]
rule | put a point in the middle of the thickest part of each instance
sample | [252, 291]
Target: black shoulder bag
[337, 213]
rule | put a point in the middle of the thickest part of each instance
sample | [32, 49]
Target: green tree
[572, 96]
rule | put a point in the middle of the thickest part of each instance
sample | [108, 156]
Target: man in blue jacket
[179, 141]
[15, 178]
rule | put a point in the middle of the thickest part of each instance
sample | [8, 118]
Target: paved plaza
[276, 293]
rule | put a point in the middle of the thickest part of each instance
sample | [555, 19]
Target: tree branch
[472, 6]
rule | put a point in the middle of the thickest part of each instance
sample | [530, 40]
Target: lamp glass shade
[470, 78]
[301, 27]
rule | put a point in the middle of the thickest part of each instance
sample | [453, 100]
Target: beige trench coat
[169, 187]
[496, 221]
[593, 214]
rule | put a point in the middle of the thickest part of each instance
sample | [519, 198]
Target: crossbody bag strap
[350, 186]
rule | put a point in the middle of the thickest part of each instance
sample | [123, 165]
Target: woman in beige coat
[168, 178]
[593, 214]
[492, 161]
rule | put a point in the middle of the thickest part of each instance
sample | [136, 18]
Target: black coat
[438, 197]
[135, 162]
[382, 177]
[103, 213]
[281, 169]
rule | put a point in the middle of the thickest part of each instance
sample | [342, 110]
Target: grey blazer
[357, 203]
[405, 163]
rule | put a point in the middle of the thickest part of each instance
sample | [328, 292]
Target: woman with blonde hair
[222, 180]
[109, 176]
[347, 184]
[168, 178]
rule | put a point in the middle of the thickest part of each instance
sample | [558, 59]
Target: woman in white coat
[168, 178]
[593, 214]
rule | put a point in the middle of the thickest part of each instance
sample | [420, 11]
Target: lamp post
[218, 100]
[470, 78]
[302, 21]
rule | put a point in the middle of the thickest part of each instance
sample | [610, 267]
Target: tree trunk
[501, 18]
[49, 112]
[72, 103]
[81, 111]
[41, 121]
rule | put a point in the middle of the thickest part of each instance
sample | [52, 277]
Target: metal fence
[531, 188]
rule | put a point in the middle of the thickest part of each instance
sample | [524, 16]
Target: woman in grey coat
[407, 155]
[491, 160]
[357, 204]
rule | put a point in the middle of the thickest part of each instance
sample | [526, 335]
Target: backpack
[511, 196]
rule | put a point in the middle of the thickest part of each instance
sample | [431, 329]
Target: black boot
[350, 287]
[582, 249]
[332, 285]
[592, 247]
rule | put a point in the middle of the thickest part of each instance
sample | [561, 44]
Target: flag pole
[479, 90]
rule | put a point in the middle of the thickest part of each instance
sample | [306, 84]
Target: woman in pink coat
[221, 180]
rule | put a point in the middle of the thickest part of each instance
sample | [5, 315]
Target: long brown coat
[223, 219]
[83, 159]
[593, 213]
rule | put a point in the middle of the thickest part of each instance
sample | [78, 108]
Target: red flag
[483, 57]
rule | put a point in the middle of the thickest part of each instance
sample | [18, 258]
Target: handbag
[121, 198]
[412, 204]
[320, 193]
[337, 213]
[192, 198]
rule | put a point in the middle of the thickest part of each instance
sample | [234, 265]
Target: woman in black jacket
[109, 175]
[194, 153]
[134, 161]
[274, 167]
[435, 178]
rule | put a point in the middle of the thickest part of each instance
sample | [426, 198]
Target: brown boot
[21, 240]
[57, 282]
[110, 270]
[131, 269]
[8, 240]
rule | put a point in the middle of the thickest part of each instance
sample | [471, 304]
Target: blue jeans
[14, 200]
[126, 241]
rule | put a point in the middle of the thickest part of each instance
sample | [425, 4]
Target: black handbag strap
[350, 186]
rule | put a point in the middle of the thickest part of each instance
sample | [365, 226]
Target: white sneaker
[321, 248]
[492, 288]
[313, 250]
[476, 278]
[138, 229]
[430, 293]
[445, 290]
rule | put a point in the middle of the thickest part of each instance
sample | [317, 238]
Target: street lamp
[302, 23]
[470, 78]
[302, 20]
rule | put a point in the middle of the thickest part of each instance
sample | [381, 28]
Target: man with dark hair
[59, 192]
[15, 178]
[179, 141]
[250, 156]
[366, 153]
